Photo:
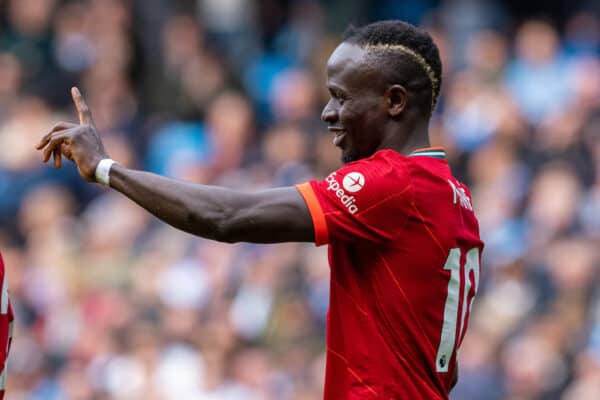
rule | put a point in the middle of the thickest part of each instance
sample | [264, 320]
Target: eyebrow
[336, 90]
[335, 87]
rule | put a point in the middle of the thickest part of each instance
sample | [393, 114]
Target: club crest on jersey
[353, 182]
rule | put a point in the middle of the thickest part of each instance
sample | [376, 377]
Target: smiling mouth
[339, 136]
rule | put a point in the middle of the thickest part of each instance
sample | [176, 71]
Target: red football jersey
[6, 327]
[404, 251]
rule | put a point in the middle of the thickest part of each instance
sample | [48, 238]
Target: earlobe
[396, 97]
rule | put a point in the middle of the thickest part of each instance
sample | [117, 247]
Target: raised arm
[269, 216]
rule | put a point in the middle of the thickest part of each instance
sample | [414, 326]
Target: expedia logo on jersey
[352, 182]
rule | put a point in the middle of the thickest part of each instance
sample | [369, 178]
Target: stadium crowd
[112, 304]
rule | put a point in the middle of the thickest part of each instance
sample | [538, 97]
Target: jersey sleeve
[367, 200]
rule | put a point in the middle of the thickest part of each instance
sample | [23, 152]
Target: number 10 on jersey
[452, 315]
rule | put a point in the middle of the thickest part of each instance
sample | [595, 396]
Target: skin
[367, 113]
[269, 216]
[370, 113]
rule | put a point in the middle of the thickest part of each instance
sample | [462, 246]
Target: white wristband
[103, 171]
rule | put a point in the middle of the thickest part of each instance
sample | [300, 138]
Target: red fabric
[316, 213]
[390, 233]
[6, 321]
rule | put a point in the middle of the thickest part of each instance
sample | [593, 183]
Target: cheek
[351, 116]
[366, 108]
[359, 118]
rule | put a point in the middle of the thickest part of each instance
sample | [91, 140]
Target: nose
[330, 113]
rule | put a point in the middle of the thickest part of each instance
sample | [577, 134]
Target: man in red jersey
[404, 244]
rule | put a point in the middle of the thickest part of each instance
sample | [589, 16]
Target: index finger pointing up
[85, 116]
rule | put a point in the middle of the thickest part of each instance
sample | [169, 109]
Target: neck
[405, 141]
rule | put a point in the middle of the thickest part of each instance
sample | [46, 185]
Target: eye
[337, 95]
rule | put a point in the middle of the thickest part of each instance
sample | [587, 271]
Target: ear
[396, 97]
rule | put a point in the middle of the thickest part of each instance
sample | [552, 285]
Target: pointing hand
[79, 143]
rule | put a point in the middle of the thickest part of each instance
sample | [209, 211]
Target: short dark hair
[408, 52]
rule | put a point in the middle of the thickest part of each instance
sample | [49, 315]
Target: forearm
[198, 209]
[270, 216]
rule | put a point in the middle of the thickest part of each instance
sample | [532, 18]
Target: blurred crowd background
[112, 304]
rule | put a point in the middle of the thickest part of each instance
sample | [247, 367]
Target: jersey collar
[435, 152]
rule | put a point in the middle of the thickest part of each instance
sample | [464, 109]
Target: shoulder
[383, 157]
[377, 180]
[363, 200]
[385, 167]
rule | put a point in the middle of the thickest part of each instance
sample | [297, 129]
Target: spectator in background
[28, 37]
[536, 76]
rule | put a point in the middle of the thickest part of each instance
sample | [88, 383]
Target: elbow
[232, 228]
[216, 226]
[225, 234]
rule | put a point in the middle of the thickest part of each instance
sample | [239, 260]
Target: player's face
[356, 112]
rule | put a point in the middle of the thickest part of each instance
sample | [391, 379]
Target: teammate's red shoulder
[6, 326]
